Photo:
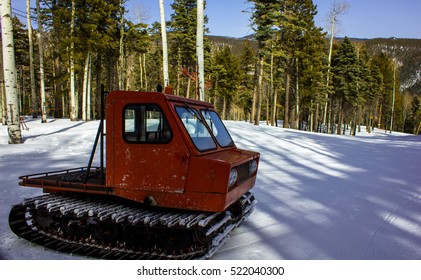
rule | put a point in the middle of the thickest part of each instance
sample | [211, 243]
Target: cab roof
[159, 95]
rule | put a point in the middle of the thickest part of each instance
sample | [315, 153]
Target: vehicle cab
[174, 152]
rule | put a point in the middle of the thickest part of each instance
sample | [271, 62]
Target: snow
[319, 196]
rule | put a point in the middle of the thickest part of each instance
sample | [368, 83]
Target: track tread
[23, 224]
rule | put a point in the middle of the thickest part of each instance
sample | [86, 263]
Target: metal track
[47, 220]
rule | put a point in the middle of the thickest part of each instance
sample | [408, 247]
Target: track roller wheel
[137, 236]
[105, 231]
[175, 239]
[74, 227]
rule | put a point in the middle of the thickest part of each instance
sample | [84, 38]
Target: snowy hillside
[319, 196]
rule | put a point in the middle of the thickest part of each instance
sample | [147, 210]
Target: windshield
[196, 128]
[218, 129]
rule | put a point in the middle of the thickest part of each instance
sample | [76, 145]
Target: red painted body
[153, 159]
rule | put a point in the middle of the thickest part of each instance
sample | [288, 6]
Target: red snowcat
[173, 186]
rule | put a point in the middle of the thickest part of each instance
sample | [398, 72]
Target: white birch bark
[164, 44]
[41, 65]
[72, 96]
[121, 51]
[88, 89]
[199, 49]
[338, 8]
[85, 88]
[9, 67]
[34, 101]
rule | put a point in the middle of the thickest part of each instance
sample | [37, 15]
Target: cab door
[148, 155]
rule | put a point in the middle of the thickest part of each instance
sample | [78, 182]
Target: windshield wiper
[194, 112]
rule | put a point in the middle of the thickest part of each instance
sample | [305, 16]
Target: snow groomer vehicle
[173, 185]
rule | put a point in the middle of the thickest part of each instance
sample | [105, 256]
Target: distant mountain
[407, 53]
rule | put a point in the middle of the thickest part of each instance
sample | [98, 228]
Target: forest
[289, 72]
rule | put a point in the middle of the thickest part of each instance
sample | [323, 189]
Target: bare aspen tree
[9, 68]
[34, 101]
[164, 44]
[337, 9]
[86, 93]
[41, 65]
[121, 64]
[199, 49]
[259, 90]
[272, 92]
[2, 93]
[73, 109]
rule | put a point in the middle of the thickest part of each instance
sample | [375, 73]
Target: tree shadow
[334, 197]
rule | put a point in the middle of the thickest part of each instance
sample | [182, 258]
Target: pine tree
[225, 77]
[20, 41]
[247, 69]
[384, 63]
[345, 79]
[263, 21]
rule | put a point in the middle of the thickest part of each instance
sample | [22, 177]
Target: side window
[145, 123]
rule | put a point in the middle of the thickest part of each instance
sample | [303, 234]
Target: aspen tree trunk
[268, 109]
[144, 71]
[41, 64]
[254, 102]
[121, 51]
[259, 91]
[188, 87]
[286, 109]
[297, 99]
[2, 102]
[9, 68]
[141, 71]
[164, 44]
[224, 108]
[329, 61]
[96, 104]
[86, 88]
[179, 68]
[34, 101]
[338, 8]
[199, 50]
[72, 96]
[2, 93]
[272, 93]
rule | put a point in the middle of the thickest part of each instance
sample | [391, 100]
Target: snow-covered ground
[319, 196]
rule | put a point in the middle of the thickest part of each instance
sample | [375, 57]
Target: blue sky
[364, 19]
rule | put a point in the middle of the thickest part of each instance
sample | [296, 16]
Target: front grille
[243, 172]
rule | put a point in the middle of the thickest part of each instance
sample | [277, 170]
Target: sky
[364, 18]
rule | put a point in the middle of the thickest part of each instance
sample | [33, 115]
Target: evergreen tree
[247, 70]
[384, 64]
[375, 80]
[182, 39]
[21, 45]
[225, 77]
[345, 80]
[263, 21]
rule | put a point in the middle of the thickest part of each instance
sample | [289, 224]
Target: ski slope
[319, 196]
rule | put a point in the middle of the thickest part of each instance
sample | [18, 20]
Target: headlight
[233, 177]
[252, 167]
